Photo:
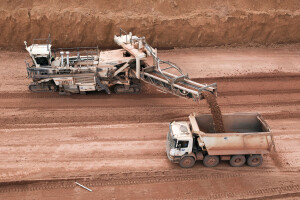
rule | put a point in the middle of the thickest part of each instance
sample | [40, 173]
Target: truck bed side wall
[246, 133]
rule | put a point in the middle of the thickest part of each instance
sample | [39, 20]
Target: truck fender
[199, 156]
[189, 155]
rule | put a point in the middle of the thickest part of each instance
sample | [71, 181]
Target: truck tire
[237, 160]
[211, 161]
[187, 162]
[254, 160]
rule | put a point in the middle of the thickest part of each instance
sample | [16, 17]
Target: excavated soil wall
[165, 23]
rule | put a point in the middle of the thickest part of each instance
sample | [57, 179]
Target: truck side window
[183, 144]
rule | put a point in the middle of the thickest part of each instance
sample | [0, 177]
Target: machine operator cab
[40, 54]
[179, 141]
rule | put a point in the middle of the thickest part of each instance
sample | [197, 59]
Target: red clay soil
[215, 110]
[164, 23]
[115, 144]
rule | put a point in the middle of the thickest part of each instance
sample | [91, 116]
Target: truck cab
[179, 141]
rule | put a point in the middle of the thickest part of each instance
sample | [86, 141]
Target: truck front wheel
[211, 161]
[237, 160]
[254, 160]
[187, 162]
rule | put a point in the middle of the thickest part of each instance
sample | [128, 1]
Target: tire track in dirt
[65, 120]
[258, 104]
[291, 190]
[123, 178]
[155, 94]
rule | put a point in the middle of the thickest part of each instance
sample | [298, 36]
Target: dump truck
[246, 139]
[86, 69]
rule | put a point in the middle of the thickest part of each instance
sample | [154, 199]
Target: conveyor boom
[179, 85]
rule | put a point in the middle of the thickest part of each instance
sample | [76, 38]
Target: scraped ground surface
[115, 144]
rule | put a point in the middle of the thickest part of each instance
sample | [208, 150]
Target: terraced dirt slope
[165, 23]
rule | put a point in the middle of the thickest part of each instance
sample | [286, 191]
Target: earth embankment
[165, 24]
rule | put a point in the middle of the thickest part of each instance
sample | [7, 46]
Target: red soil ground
[115, 144]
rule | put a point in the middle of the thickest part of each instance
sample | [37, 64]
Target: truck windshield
[183, 144]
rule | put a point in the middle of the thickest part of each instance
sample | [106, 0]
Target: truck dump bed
[245, 133]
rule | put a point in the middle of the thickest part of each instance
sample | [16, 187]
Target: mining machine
[85, 69]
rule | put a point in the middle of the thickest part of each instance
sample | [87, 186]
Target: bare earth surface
[115, 144]
[165, 23]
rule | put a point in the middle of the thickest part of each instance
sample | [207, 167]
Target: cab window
[183, 144]
[43, 61]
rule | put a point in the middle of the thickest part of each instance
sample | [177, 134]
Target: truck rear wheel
[187, 162]
[254, 160]
[237, 160]
[211, 161]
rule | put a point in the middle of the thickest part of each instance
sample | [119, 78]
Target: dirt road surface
[115, 144]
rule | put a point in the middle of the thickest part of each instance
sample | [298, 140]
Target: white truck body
[246, 134]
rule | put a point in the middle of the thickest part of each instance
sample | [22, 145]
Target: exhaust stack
[68, 59]
[61, 58]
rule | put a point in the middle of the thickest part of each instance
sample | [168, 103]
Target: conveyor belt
[185, 88]
[157, 75]
[179, 85]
